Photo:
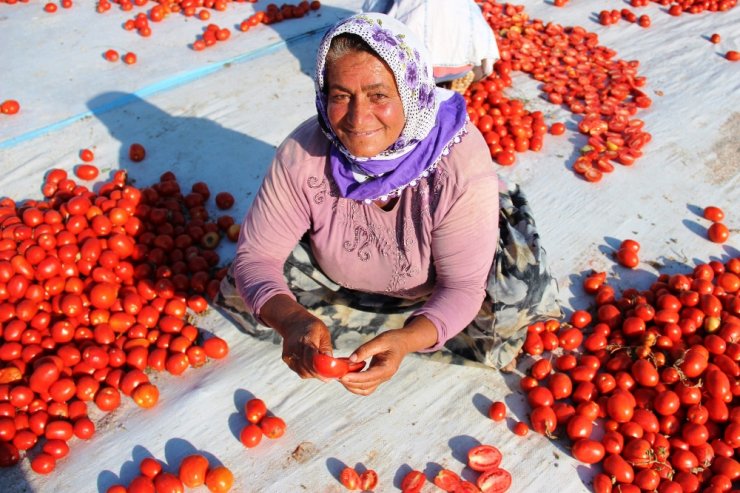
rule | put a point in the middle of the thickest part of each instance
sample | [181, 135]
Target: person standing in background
[462, 44]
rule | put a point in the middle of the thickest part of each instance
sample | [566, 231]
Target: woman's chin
[364, 150]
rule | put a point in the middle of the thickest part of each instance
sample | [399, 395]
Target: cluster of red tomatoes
[9, 107]
[658, 370]
[202, 10]
[367, 480]
[576, 71]
[273, 14]
[627, 254]
[717, 232]
[51, 7]
[609, 17]
[676, 7]
[112, 56]
[212, 34]
[96, 288]
[483, 459]
[259, 423]
[194, 471]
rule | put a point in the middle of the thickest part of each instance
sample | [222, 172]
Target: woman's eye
[339, 98]
[378, 96]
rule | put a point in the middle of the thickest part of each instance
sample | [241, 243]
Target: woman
[386, 205]
[462, 44]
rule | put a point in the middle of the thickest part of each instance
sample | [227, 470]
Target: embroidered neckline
[427, 171]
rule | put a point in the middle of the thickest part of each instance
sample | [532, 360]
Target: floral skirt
[519, 292]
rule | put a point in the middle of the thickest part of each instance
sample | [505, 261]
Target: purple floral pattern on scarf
[424, 135]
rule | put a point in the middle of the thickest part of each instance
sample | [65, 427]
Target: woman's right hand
[301, 343]
[303, 334]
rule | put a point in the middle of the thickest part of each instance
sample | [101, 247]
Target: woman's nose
[358, 111]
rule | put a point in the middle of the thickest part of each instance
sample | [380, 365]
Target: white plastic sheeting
[217, 115]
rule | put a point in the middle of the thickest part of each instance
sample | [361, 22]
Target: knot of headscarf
[435, 118]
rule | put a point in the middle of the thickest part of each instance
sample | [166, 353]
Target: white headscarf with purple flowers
[435, 118]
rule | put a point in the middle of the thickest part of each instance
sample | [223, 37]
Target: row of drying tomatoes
[646, 385]
[97, 288]
[194, 471]
[576, 71]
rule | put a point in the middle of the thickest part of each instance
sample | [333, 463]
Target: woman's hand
[387, 350]
[303, 334]
[301, 343]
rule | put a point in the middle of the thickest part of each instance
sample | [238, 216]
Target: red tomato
[329, 367]
[557, 128]
[614, 465]
[718, 233]
[413, 482]
[588, 451]
[368, 480]
[272, 426]
[141, 484]
[219, 479]
[9, 107]
[165, 482]
[216, 348]
[136, 152]
[251, 435]
[497, 411]
[349, 478]
[193, 469]
[543, 420]
[714, 214]
[494, 481]
[484, 457]
[43, 463]
[255, 410]
[86, 172]
[150, 467]
[447, 480]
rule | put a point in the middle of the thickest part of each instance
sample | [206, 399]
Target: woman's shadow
[193, 148]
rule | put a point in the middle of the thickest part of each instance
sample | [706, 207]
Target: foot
[511, 366]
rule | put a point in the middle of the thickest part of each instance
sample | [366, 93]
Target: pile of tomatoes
[260, 423]
[202, 9]
[194, 471]
[95, 288]
[655, 370]
[676, 7]
[485, 460]
[575, 71]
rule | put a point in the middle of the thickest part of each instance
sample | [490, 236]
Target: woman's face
[364, 106]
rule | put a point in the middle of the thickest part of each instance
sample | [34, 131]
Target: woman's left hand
[387, 350]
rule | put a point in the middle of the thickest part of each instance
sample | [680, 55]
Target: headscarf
[435, 118]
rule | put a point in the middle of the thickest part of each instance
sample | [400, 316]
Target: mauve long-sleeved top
[438, 240]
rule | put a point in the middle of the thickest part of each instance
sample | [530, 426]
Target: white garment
[455, 31]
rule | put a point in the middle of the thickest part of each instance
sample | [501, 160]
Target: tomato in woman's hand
[330, 367]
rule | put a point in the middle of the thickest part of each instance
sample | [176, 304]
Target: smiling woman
[381, 217]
